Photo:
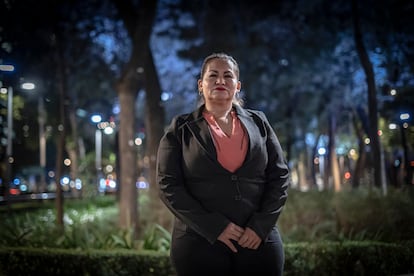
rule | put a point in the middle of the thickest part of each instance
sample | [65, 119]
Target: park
[88, 89]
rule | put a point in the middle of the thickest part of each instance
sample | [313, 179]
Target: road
[30, 197]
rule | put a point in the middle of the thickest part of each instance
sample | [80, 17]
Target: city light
[138, 141]
[6, 68]
[96, 118]
[392, 126]
[108, 130]
[28, 86]
[322, 151]
[404, 116]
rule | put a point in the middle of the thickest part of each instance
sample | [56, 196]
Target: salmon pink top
[231, 150]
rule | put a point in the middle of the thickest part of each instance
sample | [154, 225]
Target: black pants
[192, 255]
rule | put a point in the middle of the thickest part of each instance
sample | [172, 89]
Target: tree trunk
[154, 126]
[359, 166]
[372, 98]
[314, 153]
[301, 170]
[333, 160]
[128, 211]
[61, 139]
[138, 22]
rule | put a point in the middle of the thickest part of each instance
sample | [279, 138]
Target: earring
[200, 92]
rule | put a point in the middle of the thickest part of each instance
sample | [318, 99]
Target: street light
[42, 135]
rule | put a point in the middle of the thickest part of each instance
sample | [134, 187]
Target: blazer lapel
[201, 133]
[253, 131]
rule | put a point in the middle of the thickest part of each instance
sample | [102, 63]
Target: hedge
[322, 258]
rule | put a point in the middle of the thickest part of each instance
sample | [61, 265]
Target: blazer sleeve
[173, 192]
[277, 182]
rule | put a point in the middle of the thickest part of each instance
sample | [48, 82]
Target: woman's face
[219, 83]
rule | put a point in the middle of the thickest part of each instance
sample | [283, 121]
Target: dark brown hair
[223, 56]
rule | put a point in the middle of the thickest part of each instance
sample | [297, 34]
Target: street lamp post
[42, 143]
[42, 135]
[102, 128]
[98, 148]
[404, 117]
[98, 153]
[9, 148]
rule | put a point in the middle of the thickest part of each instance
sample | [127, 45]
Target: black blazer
[206, 197]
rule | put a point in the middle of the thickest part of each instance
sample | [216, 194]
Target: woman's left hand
[249, 239]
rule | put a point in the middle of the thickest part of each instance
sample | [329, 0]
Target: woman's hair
[222, 56]
[237, 99]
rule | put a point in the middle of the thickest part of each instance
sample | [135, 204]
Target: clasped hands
[246, 238]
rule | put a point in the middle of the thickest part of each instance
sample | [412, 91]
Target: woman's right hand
[231, 232]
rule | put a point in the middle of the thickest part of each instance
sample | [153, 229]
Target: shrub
[319, 259]
[348, 215]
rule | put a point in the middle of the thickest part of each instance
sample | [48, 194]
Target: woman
[222, 173]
